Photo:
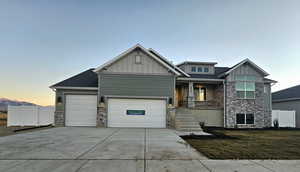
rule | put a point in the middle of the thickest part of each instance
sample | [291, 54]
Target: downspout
[224, 97]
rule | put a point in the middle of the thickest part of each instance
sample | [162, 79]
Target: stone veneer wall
[101, 115]
[256, 106]
[170, 118]
[219, 95]
[59, 119]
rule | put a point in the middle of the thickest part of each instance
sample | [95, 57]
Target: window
[138, 59]
[245, 86]
[242, 118]
[193, 69]
[135, 112]
[200, 93]
[199, 69]
[249, 119]
[206, 69]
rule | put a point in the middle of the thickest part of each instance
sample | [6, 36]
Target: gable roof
[243, 62]
[164, 63]
[88, 79]
[292, 93]
[168, 62]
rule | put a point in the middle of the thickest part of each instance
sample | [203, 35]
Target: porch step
[190, 129]
[186, 121]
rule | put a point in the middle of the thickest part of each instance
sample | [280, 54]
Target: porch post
[191, 98]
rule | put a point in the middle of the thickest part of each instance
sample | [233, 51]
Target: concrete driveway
[112, 149]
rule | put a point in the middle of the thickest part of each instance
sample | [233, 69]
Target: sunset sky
[45, 41]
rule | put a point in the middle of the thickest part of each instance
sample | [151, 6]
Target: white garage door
[81, 110]
[144, 113]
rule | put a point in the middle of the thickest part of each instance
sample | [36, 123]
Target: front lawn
[249, 144]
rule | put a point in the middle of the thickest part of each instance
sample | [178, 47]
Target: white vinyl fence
[29, 115]
[285, 118]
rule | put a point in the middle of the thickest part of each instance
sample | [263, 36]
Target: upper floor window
[199, 69]
[206, 69]
[138, 59]
[193, 69]
[245, 86]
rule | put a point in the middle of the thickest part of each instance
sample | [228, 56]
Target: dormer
[192, 67]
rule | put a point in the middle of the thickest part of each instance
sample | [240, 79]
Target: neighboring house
[141, 88]
[288, 99]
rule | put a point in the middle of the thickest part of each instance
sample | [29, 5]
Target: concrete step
[183, 115]
[187, 122]
[189, 129]
[187, 126]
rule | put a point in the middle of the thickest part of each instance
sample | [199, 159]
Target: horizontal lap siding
[136, 85]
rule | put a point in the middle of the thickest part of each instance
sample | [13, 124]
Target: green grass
[250, 144]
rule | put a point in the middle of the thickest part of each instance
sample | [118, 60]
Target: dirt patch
[248, 144]
[6, 131]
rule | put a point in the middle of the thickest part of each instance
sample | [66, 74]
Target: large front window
[245, 86]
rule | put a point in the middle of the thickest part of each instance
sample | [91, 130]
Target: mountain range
[4, 102]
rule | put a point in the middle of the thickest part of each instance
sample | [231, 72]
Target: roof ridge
[286, 88]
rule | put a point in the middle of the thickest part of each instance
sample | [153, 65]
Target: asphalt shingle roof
[87, 78]
[289, 93]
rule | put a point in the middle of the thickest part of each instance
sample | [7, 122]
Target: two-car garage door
[144, 113]
[81, 110]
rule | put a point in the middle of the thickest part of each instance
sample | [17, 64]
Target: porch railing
[203, 104]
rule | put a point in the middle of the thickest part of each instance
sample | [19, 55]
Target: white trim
[135, 97]
[128, 51]
[243, 62]
[162, 57]
[76, 88]
[198, 79]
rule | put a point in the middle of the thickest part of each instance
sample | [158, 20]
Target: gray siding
[289, 105]
[127, 64]
[267, 97]
[245, 69]
[136, 85]
[188, 68]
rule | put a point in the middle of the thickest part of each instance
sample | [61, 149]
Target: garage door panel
[155, 113]
[81, 110]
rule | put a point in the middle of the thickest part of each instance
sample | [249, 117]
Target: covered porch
[199, 94]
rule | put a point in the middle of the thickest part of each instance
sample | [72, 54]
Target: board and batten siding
[245, 69]
[136, 85]
[289, 105]
[267, 97]
[127, 64]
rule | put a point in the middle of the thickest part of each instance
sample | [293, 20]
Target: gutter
[199, 79]
[224, 94]
[75, 88]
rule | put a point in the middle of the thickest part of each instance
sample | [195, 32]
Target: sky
[45, 41]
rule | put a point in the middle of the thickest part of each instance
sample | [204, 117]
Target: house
[288, 99]
[141, 88]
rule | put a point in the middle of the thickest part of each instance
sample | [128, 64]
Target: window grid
[244, 118]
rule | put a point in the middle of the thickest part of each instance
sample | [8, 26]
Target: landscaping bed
[248, 143]
[6, 131]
